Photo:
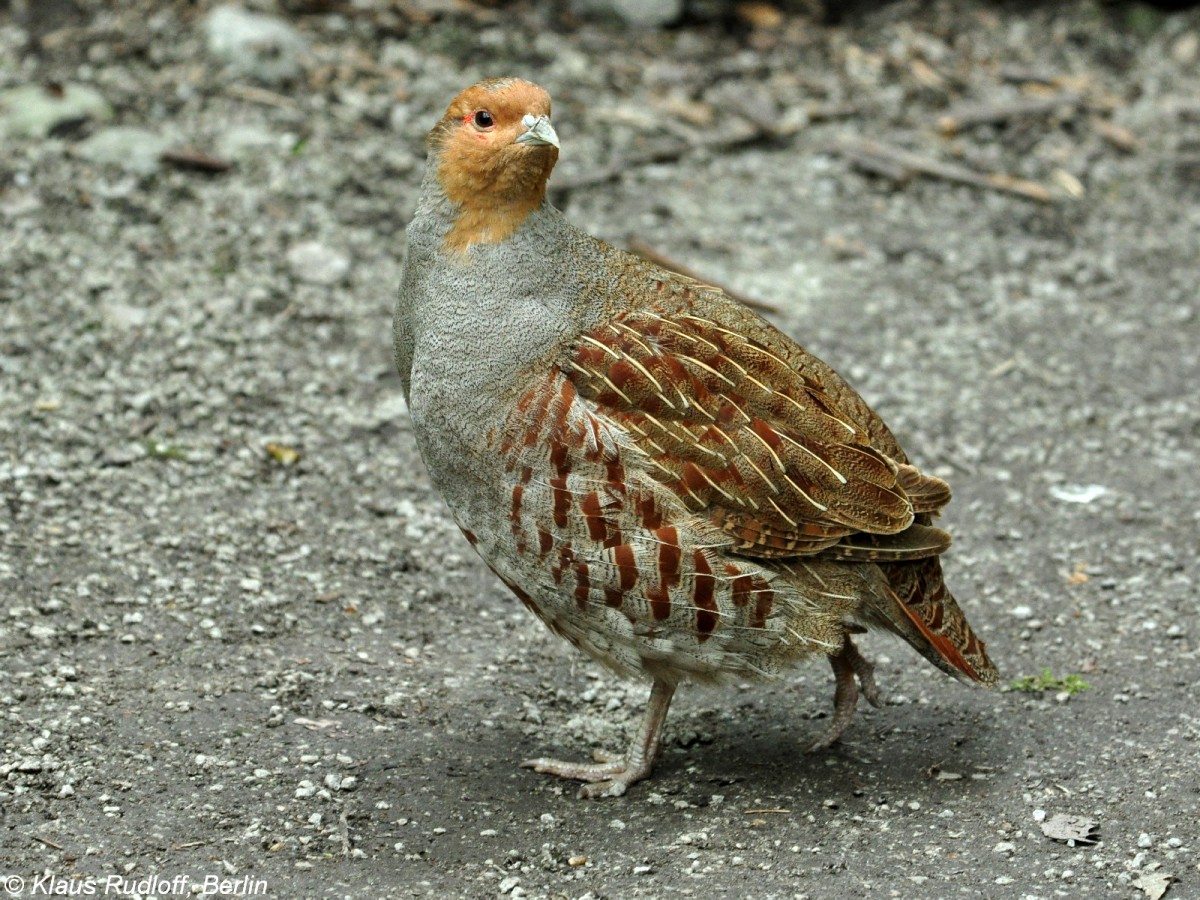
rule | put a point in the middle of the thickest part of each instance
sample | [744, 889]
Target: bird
[665, 479]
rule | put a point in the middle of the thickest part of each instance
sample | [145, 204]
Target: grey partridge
[666, 480]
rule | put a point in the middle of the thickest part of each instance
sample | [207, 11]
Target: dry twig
[195, 160]
[970, 116]
[902, 165]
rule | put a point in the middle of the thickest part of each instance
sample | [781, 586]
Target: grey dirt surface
[240, 638]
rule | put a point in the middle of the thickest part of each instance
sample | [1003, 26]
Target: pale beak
[540, 133]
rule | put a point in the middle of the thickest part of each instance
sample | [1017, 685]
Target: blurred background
[239, 633]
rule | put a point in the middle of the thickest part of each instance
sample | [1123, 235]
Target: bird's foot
[848, 664]
[610, 777]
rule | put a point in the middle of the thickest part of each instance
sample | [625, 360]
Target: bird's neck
[480, 210]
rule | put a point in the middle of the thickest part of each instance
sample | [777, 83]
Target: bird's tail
[918, 607]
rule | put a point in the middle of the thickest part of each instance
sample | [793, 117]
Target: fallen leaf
[1072, 829]
[315, 724]
[285, 456]
[1154, 884]
[1078, 493]
[1121, 138]
[925, 75]
[1068, 182]
[760, 15]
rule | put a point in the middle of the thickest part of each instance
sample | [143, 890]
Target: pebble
[33, 111]
[1078, 493]
[242, 142]
[315, 263]
[1144, 841]
[135, 150]
[262, 47]
[634, 13]
[1021, 612]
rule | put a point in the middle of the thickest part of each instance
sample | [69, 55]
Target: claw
[612, 775]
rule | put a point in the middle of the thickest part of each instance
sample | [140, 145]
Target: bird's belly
[615, 563]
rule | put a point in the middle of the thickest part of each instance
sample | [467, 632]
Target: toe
[577, 771]
[613, 787]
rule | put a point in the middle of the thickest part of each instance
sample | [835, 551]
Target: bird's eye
[483, 119]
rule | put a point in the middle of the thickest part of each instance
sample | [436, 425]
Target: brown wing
[756, 441]
[770, 443]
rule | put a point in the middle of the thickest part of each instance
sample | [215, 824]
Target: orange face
[489, 165]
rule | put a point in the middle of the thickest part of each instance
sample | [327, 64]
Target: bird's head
[494, 150]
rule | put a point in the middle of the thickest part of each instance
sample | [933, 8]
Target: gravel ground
[240, 637]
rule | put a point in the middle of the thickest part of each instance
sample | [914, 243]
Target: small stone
[1022, 612]
[1144, 841]
[507, 884]
[315, 263]
[135, 150]
[634, 13]
[35, 111]
[306, 789]
[1078, 493]
[1039, 815]
[262, 47]
[1186, 48]
[242, 142]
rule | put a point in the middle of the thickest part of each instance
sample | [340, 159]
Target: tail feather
[918, 607]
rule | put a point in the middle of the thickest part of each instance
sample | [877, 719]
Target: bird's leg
[612, 776]
[865, 672]
[847, 663]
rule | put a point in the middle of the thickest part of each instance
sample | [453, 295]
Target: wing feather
[756, 434]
